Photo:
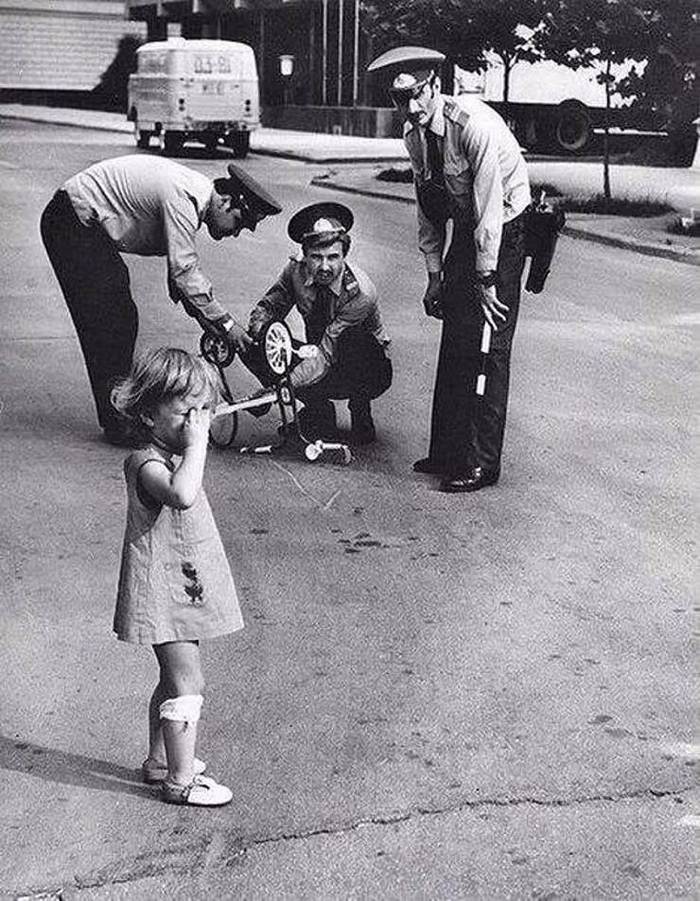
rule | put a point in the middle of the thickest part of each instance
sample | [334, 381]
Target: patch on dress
[194, 590]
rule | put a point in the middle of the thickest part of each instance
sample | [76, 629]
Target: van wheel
[239, 142]
[211, 142]
[171, 143]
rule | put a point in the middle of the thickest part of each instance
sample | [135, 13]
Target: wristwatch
[487, 279]
[226, 323]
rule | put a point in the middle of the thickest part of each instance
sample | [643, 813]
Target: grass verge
[574, 203]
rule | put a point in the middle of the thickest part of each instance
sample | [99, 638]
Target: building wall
[60, 45]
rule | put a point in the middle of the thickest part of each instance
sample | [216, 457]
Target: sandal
[153, 772]
[201, 792]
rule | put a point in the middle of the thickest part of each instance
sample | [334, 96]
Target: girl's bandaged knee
[185, 709]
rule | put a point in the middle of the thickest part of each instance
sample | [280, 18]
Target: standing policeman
[467, 167]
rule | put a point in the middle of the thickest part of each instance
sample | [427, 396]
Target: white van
[199, 90]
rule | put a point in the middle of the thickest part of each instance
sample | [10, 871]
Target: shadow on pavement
[193, 152]
[53, 765]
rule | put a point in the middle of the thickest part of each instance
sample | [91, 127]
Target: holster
[542, 227]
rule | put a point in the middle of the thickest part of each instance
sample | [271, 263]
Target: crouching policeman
[347, 356]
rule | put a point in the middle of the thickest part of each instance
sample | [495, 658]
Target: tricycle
[278, 351]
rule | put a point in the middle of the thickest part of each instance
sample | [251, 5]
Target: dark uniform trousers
[361, 372]
[95, 283]
[467, 430]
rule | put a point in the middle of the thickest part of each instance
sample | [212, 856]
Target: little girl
[175, 585]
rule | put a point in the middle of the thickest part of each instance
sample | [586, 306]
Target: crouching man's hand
[432, 300]
[307, 351]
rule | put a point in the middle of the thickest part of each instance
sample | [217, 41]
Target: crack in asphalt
[402, 817]
[220, 848]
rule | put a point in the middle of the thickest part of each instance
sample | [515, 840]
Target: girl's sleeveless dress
[175, 583]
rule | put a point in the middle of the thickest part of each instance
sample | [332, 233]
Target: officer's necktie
[319, 315]
[435, 164]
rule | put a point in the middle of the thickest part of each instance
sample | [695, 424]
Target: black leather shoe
[478, 478]
[363, 434]
[428, 466]
[318, 421]
[362, 429]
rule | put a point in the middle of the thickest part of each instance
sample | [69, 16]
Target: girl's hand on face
[195, 429]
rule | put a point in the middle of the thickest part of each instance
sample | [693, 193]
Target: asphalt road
[435, 696]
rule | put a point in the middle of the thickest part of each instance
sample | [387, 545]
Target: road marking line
[680, 749]
[690, 820]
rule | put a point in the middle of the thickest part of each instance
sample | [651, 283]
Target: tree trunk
[606, 136]
[507, 66]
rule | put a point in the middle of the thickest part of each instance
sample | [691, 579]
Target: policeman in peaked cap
[467, 166]
[148, 206]
[320, 223]
[346, 353]
[248, 196]
[412, 69]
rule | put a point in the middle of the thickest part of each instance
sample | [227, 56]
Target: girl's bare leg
[156, 746]
[181, 676]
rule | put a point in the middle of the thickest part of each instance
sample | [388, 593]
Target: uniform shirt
[151, 207]
[484, 171]
[353, 302]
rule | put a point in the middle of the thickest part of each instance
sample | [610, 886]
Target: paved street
[435, 696]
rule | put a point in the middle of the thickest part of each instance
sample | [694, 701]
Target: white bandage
[185, 709]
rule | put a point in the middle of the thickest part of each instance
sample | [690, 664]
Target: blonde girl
[175, 585]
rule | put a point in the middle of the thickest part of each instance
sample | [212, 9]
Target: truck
[194, 90]
[552, 107]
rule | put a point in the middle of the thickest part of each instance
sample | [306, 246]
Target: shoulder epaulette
[350, 283]
[455, 113]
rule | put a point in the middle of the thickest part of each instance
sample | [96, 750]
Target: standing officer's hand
[239, 338]
[432, 300]
[493, 307]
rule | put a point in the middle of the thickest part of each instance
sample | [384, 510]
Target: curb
[127, 128]
[689, 257]
[324, 160]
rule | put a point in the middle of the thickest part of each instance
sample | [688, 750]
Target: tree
[598, 33]
[464, 30]
[667, 89]
[602, 33]
[504, 28]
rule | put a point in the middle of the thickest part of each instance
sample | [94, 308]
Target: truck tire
[211, 142]
[172, 142]
[572, 130]
[239, 142]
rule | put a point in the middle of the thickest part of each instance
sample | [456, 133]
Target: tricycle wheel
[217, 350]
[276, 344]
